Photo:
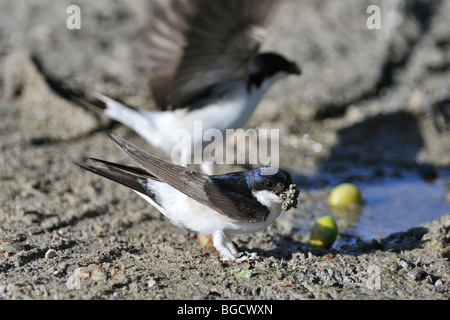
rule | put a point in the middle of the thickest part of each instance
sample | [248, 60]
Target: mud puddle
[392, 204]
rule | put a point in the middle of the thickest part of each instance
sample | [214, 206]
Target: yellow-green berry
[324, 232]
[345, 194]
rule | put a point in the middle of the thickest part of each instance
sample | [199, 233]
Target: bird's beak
[294, 69]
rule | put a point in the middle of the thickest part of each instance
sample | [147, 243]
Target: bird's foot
[228, 251]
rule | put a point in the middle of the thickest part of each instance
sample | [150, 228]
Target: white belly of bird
[166, 129]
[186, 212]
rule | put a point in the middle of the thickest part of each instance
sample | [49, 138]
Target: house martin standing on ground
[203, 65]
[220, 205]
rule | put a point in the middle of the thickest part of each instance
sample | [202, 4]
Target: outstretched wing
[194, 45]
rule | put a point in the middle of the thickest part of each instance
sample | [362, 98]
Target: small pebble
[97, 273]
[70, 269]
[92, 272]
[4, 247]
[113, 271]
[82, 273]
[417, 274]
[151, 283]
[50, 254]
[7, 245]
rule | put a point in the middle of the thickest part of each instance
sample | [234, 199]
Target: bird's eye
[269, 184]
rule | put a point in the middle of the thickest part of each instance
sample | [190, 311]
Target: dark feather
[132, 177]
[194, 45]
[219, 194]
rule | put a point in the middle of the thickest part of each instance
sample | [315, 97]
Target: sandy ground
[368, 98]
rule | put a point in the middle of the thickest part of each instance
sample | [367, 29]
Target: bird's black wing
[194, 45]
[226, 198]
[132, 177]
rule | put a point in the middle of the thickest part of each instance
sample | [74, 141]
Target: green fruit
[324, 232]
[345, 194]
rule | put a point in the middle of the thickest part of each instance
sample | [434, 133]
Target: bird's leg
[227, 250]
[224, 246]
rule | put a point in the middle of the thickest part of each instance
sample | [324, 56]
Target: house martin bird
[218, 205]
[203, 64]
